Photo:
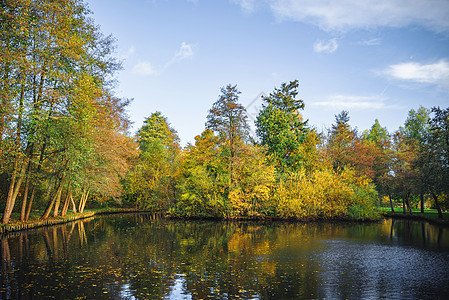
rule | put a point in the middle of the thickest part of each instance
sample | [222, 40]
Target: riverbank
[15, 225]
[34, 221]
[429, 215]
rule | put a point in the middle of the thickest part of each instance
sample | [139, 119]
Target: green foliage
[56, 109]
[377, 134]
[281, 128]
[156, 130]
[417, 124]
[151, 184]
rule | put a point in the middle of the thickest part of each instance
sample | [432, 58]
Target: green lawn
[428, 213]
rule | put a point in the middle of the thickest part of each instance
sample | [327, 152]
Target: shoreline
[7, 228]
[416, 217]
[10, 228]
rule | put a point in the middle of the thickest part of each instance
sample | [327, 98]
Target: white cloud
[343, 15]
[355, 102]
[371, 42]
[144, 68]
[326, 47]
[247, 6]
[125, 55]
[184, 52]
[436, 73]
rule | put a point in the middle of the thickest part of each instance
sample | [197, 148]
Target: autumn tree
[55, 70]
[151, 184]
[346, 149]
[205, 182]
[228, 119]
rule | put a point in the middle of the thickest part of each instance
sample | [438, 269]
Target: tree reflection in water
[139, 257]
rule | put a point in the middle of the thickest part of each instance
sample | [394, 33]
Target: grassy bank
[429, 215]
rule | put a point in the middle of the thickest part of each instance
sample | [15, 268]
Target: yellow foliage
[322, 194]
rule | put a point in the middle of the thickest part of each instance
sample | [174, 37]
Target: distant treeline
[289, 170]
[64, 141]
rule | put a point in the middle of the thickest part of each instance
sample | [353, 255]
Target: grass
[429, 214]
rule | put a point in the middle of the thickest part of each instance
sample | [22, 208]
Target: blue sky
[375, 58]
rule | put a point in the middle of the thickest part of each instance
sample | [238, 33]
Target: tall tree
[228, 119]
[377, 140]
[417, 125]
[417, 128]
[280, 126]
[151, 184]
[435, 157]
[405, 176]
[56, 66]
[346, 149]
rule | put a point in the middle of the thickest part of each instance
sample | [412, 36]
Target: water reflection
[138, 257]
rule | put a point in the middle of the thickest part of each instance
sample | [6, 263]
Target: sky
[377, 59]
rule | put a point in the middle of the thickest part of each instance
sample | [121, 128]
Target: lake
[135, 256]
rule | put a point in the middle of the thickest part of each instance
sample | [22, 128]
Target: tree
[339, 146]
[281, 128]
[435, 156]
[417, 125]
[417, 128]
[344, 148]
[151, 184]
[206, 175]
[204, 183]
[228, 119]
[405, 175]
[55, 70]
[377, 140]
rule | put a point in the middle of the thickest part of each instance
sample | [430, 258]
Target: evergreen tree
[280, 126]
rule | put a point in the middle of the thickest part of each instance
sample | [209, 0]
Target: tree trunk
[437, 204]
[66, 203]
[52, 202]
[73, 204]
[83, 200]
[30, 203]
[14, 188]
[25, 198]
[407, 200]
[421, 196]
[39, 167]
[391, 203]
[9, 207]
[57, 202]
[48, 209]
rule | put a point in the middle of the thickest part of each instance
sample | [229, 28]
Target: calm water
[136, 257]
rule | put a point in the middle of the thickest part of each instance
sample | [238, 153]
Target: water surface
[136, 257]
